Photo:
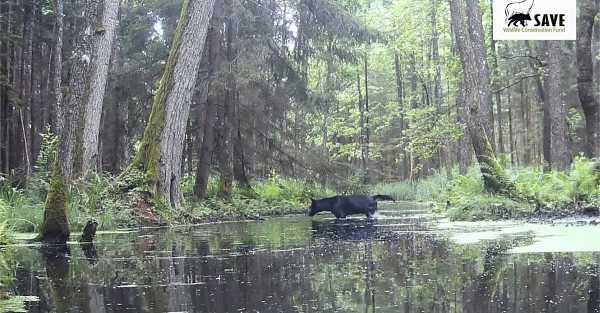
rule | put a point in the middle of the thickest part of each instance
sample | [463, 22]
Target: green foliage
[352, 185]
[8, 302]
[430, 129]
[575, 121]
[427, 189]
[285, 189]
[467, 199]
[40, 181]
[103, 198]
[557, 189]
[274, 196]
[46, 155]
[19, 210]
[97, 198]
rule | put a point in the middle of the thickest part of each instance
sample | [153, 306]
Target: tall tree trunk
[225, 119]
[55, 226]
[103, 47]
[367, 131]
[206, 150]
[121, 106]
[478, 48]
[78, 88]
[464, 149]
[435, 56]
[542, 98]
[510, 131]
[527, 130]
[239, 158]
[233, 101]
[57, 78]
[19, 142]
[560, 154]
[223, 148]
[404, 172]
[161, 149]
[585, 76]
[469, 39]
[498, 96]
[239, 161]
[39, 68]
[442, 157]
[28, 88]
[213, 54]
[361, 140]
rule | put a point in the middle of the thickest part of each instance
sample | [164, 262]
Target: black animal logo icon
[519, 18]
[519, 12]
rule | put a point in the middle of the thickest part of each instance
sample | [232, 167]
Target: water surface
[405, 261]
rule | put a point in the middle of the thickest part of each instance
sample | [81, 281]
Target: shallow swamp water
[406, 260]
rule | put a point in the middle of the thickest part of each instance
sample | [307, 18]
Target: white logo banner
[535, 19]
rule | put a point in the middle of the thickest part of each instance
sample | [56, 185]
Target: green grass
[18, 210]
[460, 197]
[272, 197]
[424, 190]
[97, 198]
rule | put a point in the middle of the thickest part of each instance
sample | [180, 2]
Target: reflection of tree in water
[317, 268]
[593, 305]
[56, 259]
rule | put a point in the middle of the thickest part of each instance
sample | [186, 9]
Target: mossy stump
[55, 227]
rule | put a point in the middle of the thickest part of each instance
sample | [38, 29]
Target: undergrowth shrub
[18, 210]
[466, 199]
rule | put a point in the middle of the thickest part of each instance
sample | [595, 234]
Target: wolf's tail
[383, 198]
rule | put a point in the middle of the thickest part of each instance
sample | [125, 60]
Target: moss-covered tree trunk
[160, 155]
[55, 226]
[55, 209]
[471, 47]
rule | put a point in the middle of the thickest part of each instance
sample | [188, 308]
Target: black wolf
[519, 18]
[342, 206]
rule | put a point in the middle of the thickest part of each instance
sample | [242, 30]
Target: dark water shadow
[89, 250]
[56, 260]
[351, 230]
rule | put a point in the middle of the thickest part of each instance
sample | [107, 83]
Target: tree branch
[522, 78]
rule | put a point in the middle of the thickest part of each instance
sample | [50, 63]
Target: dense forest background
[327, 91]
